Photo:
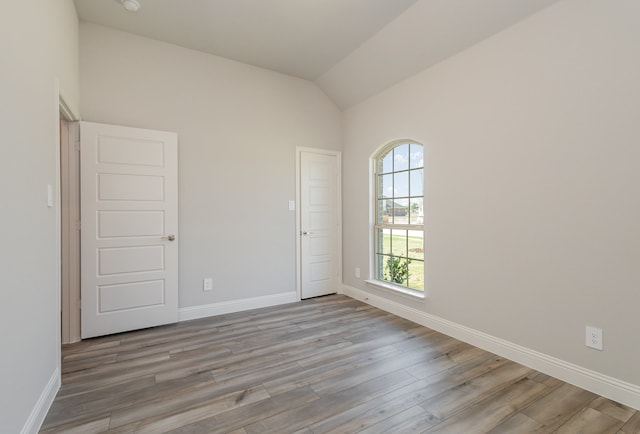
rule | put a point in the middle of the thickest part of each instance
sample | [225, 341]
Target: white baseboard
[206, 310]
[609, 387]
[40, 410]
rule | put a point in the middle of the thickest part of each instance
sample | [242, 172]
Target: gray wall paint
[39, 47]
[532, 182]
[237, 127]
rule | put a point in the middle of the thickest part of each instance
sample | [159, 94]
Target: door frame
[67, 176]
[338, 155]
[70, 216]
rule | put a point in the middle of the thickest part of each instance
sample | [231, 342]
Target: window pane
[385, 273]
[401, 184]
[383, 212]
[416, 275]
[417, 182]
[385, 186]
[416, 211]
[395, 270]
[383, 238]
[399, 242]
[385, 164]
[401, 157]
[416, 244]
[416, 156]
[399, 215]
[380, 267]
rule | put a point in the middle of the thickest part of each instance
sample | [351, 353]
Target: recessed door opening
[69, 209]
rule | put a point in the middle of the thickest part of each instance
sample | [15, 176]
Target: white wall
[532, 182]
[237, 128]
[39, 47]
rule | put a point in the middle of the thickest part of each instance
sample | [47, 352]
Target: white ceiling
[352, 49]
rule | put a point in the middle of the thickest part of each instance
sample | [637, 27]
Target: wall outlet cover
[594, 338]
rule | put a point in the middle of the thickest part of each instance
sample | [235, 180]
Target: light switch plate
[50, 195]
[207, 284]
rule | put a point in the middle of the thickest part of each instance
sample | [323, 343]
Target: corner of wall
[40, 410]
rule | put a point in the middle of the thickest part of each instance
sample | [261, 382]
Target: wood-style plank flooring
[327, 365]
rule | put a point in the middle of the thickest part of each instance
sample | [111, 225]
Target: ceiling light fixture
[131, 5]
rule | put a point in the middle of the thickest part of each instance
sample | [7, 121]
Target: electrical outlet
[357, 272]
[207, 284]
[594, 338]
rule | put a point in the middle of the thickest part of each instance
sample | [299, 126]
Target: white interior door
[319, 224]
[129, 215]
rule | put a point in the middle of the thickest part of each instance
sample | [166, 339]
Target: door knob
[169, 237]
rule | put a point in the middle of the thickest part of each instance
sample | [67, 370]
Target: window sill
[396, 289]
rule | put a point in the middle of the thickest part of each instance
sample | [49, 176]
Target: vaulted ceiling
[352, 49]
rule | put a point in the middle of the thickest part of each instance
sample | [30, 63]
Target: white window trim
[373, 280]
[397, 289]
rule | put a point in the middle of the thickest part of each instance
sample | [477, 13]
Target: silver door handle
[169, 237]
[306, 233]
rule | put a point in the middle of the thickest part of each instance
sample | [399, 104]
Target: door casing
[70, 233]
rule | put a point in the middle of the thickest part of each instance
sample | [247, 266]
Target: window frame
[374, 280]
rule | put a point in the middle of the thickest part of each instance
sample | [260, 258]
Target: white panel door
[129, 214]
[319, 223]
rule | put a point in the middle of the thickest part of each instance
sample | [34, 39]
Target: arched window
[398, 230]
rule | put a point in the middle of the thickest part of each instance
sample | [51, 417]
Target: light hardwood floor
[330, 364]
